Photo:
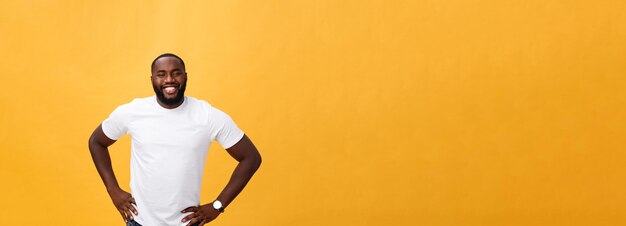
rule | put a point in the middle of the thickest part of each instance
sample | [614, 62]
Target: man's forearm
[102, 160]
[240, 177]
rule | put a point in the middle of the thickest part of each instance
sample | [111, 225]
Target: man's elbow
[95, 143]
[91, 142]
[251, 161]
[257, 160]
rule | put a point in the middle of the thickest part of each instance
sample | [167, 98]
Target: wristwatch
[218, 206]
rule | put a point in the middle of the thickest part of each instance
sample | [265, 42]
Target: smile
[170, 89]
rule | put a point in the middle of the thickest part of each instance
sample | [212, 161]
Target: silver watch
[218, 206]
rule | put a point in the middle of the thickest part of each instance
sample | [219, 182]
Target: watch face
[217, 205]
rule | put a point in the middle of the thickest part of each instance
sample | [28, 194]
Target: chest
[173, 130]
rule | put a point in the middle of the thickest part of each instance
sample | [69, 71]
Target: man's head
[169, 79]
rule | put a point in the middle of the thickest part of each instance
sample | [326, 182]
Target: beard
[179, 96]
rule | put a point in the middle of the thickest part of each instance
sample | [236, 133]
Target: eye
[177, 73]
[160, 75]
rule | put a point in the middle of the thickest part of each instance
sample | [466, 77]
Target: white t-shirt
[169, 148]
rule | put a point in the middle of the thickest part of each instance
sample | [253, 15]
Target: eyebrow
[177, 69]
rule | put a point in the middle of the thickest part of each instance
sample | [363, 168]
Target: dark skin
[168, 72]
[172, 73]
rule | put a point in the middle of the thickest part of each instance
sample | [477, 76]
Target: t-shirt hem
[139, 221]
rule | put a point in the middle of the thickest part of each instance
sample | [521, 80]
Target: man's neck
[172, 106]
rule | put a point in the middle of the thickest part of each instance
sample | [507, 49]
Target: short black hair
[166, 55]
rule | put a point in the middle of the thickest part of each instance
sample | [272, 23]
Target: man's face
[169, 80]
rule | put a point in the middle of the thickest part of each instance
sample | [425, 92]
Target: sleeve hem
[108, 133]
[229, 145]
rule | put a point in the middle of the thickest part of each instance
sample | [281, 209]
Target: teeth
[170, 90]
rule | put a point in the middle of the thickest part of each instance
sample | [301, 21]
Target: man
[171, 134]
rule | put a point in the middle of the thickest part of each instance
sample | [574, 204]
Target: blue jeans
[134, 223]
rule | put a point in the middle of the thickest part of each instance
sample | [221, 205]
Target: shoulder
[198, 105]
[134, 104]
[142, 101]
[214, 113]
[197, 102]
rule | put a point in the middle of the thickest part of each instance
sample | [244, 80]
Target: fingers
[127, 215]
[132, 208]
[196, 218]
[124, 203]
[199, 215]
[193, 221]
[123, 215]
[189, 217]
[127, 210]
[190, 209]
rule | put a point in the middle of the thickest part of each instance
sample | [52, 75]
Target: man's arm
[249, 161]
[98, 146]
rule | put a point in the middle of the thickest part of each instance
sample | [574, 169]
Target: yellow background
[425, 112]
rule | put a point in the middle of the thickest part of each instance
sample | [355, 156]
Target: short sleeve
[116, 125]
[228, 134]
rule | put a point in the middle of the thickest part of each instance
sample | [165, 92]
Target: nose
[169, 78]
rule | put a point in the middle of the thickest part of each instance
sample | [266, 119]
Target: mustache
[158, 90]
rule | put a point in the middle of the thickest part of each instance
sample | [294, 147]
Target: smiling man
[171, 134]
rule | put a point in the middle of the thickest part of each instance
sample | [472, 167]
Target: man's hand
[98, 146]
[124, 202]
[200, 214]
